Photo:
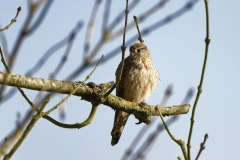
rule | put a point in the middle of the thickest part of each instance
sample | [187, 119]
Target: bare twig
[106, 16]
[90, 31]
[73, 91]
[9, 71]
[46, 56]
[32, 10]
[12, 21]
[76, 125]
[4, 42]
[148, 144]
[28, 129]
[139, 33]
[123, 48]
[64, 57]
[41, 16]
[202, 146]
[207, 41]
[54, 48]
[179, 141]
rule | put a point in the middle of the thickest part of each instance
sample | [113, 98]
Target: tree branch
[12, 21]
[207, 41]
[92, 93]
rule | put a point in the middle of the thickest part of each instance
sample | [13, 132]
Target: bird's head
[139, 49]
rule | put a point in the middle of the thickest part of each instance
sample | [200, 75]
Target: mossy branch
[92, 93]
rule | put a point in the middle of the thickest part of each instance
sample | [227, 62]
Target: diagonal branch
[202, 146]
[12, 21]
[180, 142]
[207, 41]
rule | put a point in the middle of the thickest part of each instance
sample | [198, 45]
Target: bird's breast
[140, 81]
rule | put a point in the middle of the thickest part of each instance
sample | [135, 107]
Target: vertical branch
[207, 41]
[123, 48]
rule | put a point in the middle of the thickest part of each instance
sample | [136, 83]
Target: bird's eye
[138, 50]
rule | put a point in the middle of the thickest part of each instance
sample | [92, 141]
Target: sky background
[177, 50]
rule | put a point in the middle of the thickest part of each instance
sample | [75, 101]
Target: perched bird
[139, 79]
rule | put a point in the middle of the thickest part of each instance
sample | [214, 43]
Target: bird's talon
[138, 123]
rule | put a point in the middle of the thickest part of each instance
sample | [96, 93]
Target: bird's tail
[118, 126]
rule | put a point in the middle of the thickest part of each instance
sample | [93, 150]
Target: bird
[139, 79]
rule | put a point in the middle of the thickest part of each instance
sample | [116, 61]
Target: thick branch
[91, 93]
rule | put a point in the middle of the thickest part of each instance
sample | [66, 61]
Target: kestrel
[138, 81]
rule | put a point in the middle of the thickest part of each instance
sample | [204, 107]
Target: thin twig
[148, 144]
[179, 142]
[4, 42]
[207, 41]
[202, 146]
[64, 57]
[76, 125]
[19, 41]
[123, 48]
[90, 31]
[41, 16]
[73, 91]
[12, 21]
[28, 129]
[54, 48]
[9, 71]
[63, 60]
[106, 16]
[139, 33]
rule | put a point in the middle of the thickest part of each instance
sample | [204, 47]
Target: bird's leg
[141, 104]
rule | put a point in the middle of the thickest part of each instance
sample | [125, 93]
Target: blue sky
[177, 50]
